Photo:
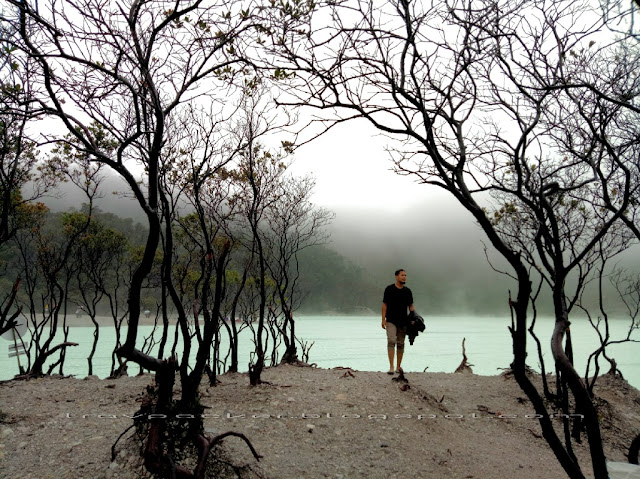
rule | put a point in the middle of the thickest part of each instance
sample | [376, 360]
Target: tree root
[156, 462]
[164, 437]
[113, 448]
[220, 437]
[633, 450]
[401, 379]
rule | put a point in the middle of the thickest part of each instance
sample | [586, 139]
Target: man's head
[401, 277]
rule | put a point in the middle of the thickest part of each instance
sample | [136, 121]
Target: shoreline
[309, 422]
[359, 344]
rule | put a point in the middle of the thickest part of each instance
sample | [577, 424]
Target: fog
[432, 237]
[111, 198]
[446, 256]
[439, 246]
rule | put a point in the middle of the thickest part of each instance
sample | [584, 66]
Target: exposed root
[483, 408]
[633, 450]
[301, 364]
[168, 442]
[220, 437]
[507, 373]
[535, 434]
[113, 448]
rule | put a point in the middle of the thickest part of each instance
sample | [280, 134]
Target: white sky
[352, 169]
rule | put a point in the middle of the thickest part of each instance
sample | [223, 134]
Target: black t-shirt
[398, 301]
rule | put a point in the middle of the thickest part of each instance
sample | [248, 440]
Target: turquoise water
[360, 343]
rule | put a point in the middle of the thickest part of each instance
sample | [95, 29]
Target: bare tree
[627, 286]
[53, 255]
[97, 253]
[294, 224]
[477, 97]
[20, 184]
[199, 175]
[130, 69]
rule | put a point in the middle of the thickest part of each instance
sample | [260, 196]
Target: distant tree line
[330, 283]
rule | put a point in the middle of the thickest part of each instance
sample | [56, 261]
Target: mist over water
[431, 236]
[437, 243]
[452, 268]
[424, 230]
[454, 287]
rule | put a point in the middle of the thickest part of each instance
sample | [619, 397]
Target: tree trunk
[583, 401]
[518, 366]
[633, 450]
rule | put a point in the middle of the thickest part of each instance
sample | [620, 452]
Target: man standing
[396, 304]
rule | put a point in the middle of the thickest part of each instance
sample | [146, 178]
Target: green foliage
[106, 243]
[73, 223]
[507, 211]
[295, 9]
[280, 74]
[335, 284]
[70, 151]
[18, 156]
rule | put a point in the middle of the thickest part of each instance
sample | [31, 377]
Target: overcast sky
[352, 169]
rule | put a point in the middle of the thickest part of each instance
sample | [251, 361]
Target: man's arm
[384, 315]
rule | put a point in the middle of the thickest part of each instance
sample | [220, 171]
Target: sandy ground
[307, 423]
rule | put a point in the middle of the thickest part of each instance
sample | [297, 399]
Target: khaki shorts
[395, 336]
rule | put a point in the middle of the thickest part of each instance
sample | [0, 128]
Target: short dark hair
[398, 271]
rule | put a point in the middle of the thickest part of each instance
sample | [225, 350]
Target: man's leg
[391, 352]
[392, 334]
[401, 333]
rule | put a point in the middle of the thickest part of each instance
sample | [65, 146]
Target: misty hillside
[112, 198]
[437, 242]
[440, 248]
[443, 251]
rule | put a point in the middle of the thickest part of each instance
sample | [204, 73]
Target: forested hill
[334, 284]
[436, 242]
[328, 282]
[448, 270]
[443, 253]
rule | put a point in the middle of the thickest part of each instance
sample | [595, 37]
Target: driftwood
[465, 366]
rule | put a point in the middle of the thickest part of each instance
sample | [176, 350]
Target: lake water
[360, 343]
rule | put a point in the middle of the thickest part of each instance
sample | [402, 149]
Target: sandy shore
[84, 320]
[308, 423]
